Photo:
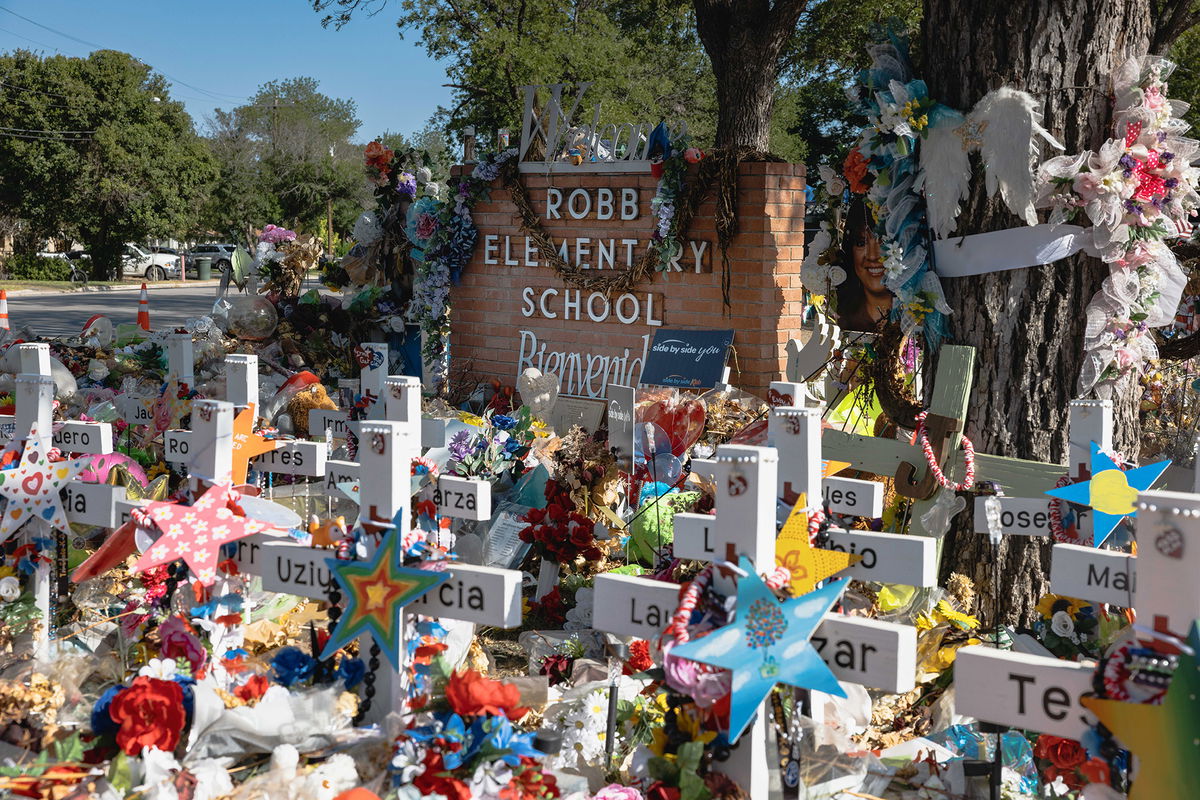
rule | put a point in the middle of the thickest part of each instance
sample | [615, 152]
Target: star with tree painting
[767, 642]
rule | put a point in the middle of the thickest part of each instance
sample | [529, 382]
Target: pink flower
[704, 686]
[1125, 357]
[1154, 99]
[615, 791]
[178, 641]
[426, 225]
[1087, 185]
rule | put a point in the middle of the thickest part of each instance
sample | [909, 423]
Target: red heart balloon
[681, 418]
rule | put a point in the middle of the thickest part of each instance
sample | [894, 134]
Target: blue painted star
[377, 590]
[767, 643]
[1111, 493]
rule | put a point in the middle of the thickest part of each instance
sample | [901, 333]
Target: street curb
[129, 287]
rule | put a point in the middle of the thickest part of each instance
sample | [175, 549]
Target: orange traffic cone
[143, 318]
[3, 310]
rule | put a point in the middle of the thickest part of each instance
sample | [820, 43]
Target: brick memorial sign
[513, 311]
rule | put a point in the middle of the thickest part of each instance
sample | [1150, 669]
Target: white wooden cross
[878, 654]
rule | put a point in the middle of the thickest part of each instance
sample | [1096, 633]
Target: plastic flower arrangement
[1137, 192]
[558, 532]
[665, 238]
[470, 748]
[499, 446]
[1067, 627]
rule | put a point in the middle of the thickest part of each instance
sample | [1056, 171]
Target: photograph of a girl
[863, 300]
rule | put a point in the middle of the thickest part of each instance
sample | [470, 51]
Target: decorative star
[377, 591]
[1111, 492]
[809, 565]
[247, 444]
[32, 487]
[1165, 738]
[767, 643]
[832, 467]
[196, 533]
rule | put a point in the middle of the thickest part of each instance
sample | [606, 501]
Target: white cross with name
[874, 653]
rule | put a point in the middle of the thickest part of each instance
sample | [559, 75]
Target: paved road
[63, 314]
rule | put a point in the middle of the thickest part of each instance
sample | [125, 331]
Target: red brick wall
[765, 259]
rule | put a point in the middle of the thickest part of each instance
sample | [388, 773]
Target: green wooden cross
[946, 420]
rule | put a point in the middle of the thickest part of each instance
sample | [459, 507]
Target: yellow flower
[1046, 606]
[470, 419]
[955, 618]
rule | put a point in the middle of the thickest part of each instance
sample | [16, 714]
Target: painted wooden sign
[1168, 528]
[483, 595]
[294, 458]
[694, 537]
[888, 557]
[1102, 576]
[92, 503]
[93, 438]
[881, 655]
[1023, 691]
[463, 498]
[852, 497]
[629, 606]
[324, 419]
[1019, 516]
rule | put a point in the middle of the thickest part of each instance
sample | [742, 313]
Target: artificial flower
[855, 170]
[101, 718]
[255, 687]
[615, 791]
[1095, 770]
[351, 671]
[179, 641]
[1063, 753]
[150, 713]
[435, 779]
[379, 157]
[291, 665]
[10, 589]
[471, 694]
[161, 668]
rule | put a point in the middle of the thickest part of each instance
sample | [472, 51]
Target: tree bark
[744, 40]
[1027, 324]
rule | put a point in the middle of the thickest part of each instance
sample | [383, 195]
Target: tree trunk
[744, 40]
[1027, 324]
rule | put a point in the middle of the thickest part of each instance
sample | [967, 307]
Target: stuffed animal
[308, 398]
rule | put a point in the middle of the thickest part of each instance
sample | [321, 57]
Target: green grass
[55, 284]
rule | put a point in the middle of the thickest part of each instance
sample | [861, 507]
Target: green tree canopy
[286, 157]
[643, 57]
[95, 149]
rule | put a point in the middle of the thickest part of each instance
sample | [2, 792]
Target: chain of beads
[968, 456]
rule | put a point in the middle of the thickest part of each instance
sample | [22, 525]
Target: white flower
[433, 189]
[212, 778]
[579, 618]
[424, 175]
[367, 228]
[161, 668]
[489, 779]
[1062, 624]
[1057, 789]
[10, 589]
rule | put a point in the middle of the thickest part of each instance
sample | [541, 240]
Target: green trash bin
[204, 268]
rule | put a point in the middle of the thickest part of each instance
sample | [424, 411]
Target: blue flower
[188, 685]
[512, 446]
[351, 672]
[102, 721]
[292, 665]
[504, 422]
[510, 745]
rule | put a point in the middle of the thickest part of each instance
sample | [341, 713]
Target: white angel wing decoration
[946, 163]
[1004, 118]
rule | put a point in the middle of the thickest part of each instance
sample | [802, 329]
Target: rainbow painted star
[1111, 492]
[377, 590]
[767, 643]
[1165, 738]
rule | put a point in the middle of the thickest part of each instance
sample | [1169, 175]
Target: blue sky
[225, 50]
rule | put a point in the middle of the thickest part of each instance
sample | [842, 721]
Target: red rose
[252, 689]
[436, 779]
[660, 791]
[1066, 754]
[471, 694]
[150, 713]
[1095, 770]
[639, 657]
